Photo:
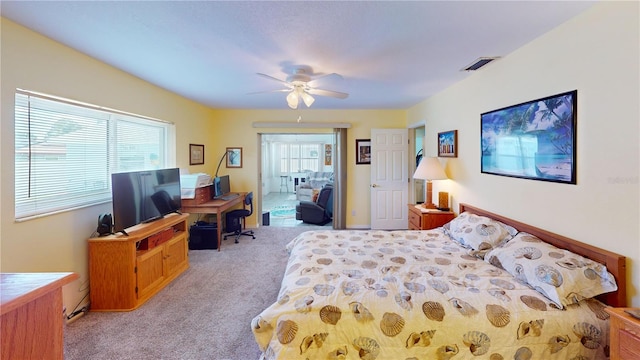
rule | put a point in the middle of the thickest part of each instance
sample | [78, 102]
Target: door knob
[374, 185]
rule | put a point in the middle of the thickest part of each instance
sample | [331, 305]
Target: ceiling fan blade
[272, 78]
[321, 77]
[269, 91]
[330, 93]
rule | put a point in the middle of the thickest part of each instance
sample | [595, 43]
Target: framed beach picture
[532, 140]
[234, 157]
[448, 144]
[363, 151]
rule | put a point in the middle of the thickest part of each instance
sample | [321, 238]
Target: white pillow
[563, 277]
[478, 233]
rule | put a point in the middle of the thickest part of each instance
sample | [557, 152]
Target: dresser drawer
[629, 345]
[625, 334]
[415, 221]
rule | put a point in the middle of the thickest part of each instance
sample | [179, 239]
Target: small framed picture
[448, 144]
[234, 157]
[363, 151]
[327, 154]
[196, 154]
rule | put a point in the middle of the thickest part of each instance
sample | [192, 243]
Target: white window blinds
[296, 157]
[65, 152]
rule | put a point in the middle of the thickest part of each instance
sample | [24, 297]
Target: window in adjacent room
[295, 157]
[65, 152]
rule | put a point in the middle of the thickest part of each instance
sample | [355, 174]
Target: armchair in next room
[318, 212]
[314, 181]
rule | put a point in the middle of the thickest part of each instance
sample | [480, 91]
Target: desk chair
[233, 220]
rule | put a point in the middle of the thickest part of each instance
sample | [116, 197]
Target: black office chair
[233, 220]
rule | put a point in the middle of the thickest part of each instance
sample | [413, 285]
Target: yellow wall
[597, 54]
[30, 61]
[238, 131]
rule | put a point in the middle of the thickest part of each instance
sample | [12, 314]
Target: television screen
[144, 196]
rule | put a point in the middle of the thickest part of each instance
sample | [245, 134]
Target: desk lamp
[226, 153]
[429, 169]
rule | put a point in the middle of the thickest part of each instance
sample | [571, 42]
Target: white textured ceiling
[391, 55]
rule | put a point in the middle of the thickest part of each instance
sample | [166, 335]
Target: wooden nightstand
[422, 219]
[625, 334]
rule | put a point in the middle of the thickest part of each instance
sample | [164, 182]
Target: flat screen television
[144, 196]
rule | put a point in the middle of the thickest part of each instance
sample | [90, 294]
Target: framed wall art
[327, 154]
[363, 151]
[448, 144]
[532, 140]
[234, 157]
[196, 154]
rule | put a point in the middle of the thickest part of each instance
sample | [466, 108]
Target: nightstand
[424, 219]
[625, 334]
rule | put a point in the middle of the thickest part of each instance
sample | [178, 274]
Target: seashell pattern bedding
[366, 294]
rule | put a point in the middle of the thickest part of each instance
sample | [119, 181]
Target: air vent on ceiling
[480, 62]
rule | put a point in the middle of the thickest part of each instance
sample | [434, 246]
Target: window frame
[39, 202]
[287, 160]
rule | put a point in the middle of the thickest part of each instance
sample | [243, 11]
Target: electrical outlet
[353, 213]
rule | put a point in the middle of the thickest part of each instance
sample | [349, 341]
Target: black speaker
[105, 224]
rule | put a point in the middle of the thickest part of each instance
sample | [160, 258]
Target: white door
[389, 179]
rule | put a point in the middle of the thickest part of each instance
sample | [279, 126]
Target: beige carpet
[204, 314]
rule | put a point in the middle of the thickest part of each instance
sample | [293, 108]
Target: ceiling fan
[301, 86]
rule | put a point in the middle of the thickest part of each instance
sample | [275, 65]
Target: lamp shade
[430, 169]
[308, 99]
[293, 99]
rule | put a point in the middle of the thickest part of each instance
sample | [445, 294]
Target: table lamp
[429, 169]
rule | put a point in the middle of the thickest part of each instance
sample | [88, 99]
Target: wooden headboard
[615, 263]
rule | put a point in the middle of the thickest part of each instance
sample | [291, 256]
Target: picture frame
[363, 151]
[532, 140]
[448, 144]
[196, 154]
[327, 154]
[234, 157]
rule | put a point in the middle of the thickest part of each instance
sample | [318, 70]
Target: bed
[431, 294]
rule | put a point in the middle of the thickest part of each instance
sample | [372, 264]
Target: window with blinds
[65, 152]
[295, 157]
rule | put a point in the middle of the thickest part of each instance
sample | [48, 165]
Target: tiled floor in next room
[282, 209]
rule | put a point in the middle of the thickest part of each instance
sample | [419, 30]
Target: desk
[215, 206]
[32, 324]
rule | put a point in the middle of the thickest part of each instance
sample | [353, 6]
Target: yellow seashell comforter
[415, 295]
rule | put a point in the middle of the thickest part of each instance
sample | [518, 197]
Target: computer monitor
[222, 185]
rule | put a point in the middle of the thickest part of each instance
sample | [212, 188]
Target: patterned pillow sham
[563, 277]
[478, 233]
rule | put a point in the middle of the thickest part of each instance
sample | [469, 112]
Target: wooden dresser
[423, 219]
[625, 335]
[31, 315]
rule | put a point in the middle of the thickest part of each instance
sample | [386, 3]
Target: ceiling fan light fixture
[293, 99]
[301, 86]
[308, 99]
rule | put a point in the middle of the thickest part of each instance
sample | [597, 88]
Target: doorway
[287, 161]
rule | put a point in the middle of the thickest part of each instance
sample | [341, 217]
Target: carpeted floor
[204, 314]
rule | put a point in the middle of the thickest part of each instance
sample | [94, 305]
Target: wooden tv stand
[126, 271]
